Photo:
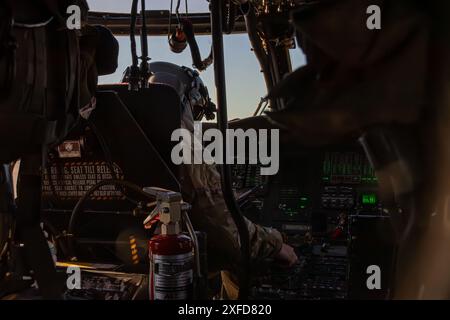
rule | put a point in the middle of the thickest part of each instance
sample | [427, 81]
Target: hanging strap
[7, 51]
[36, 250]
[52, 6]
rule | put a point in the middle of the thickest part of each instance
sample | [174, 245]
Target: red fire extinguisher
[171, 252]
[171, 262]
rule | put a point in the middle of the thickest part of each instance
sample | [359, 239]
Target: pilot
[202, 189]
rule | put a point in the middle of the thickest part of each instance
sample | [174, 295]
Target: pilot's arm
[202, 188]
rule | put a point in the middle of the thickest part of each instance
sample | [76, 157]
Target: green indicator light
[303, 202]
[369, 199]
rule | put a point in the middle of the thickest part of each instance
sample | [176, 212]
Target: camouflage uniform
[201, 185]
[202, 189]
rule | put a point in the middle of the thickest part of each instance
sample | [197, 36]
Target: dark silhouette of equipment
[197, 61]
[184, 35]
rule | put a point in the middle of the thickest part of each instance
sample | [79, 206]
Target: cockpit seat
[136, 152]
[157, 110]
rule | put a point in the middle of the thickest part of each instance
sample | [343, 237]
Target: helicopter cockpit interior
[145, 187]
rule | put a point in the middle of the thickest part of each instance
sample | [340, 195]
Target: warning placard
[71, 180]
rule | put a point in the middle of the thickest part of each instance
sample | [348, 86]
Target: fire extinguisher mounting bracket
[169, 206]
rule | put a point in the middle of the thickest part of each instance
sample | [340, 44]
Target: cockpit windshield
[245, 82]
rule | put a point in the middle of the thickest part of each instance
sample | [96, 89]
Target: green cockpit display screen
[369, 199]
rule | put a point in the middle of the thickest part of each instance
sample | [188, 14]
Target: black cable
[144, 68]
[8, 48]
[170, 21]
[229, 17]
[177, 10]
[134, 56]
[144, 42]
[197, 61]
[222, 121]
[134, 69]
[80, 205]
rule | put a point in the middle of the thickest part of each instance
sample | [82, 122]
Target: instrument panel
[318, 200]
[326, 203]
[310, 186]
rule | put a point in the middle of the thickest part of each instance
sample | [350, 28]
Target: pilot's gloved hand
[286, 256]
